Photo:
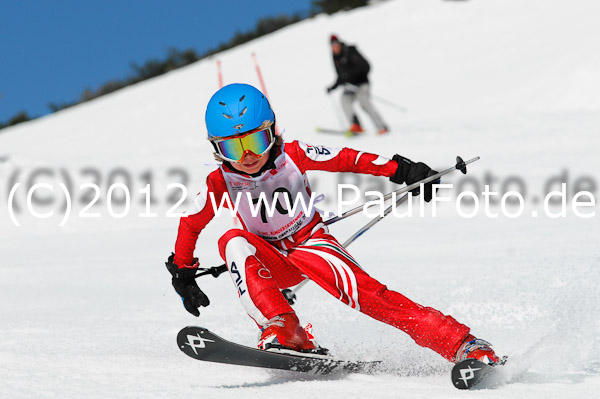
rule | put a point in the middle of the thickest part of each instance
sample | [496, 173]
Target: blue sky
[52, 50]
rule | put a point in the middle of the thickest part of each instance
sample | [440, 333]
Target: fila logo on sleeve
[319, 153]
[318, 150]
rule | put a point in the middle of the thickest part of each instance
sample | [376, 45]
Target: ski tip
[475, 374]
[467, 374]
[191, 330]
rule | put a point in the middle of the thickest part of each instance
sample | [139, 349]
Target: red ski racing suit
[277, 252]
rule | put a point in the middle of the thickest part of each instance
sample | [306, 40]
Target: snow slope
[87, 309]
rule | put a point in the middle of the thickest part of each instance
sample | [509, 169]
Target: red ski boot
[284, 332]
[356, 129]
[474, 348]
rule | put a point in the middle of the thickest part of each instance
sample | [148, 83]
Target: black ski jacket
[351, 67]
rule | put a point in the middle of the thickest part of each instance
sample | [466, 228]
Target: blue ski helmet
[237, 108]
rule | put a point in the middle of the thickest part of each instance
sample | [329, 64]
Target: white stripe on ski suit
[342, 268]
[333, 246]
[237, 250]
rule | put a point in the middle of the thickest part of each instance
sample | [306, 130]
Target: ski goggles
[235, 149]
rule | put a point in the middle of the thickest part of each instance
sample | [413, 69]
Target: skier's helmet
[237, 108]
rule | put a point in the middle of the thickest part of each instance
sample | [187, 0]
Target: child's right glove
[410, 172]
[185, 285]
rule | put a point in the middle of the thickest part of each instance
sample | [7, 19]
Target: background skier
[352, 73]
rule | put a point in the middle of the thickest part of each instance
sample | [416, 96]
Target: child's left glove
[185, 285]
[410, 172]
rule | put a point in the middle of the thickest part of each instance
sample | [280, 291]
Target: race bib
[275, 205]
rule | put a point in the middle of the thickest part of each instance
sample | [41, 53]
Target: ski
[201, 344]
[474, 374]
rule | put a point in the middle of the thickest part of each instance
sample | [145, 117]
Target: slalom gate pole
[262, 83]
[219, 74]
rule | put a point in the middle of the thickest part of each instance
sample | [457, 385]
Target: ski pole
[381, 99]
[460, 165]
[339, 117]
[373, 222]
[290, 294]
[215, 271]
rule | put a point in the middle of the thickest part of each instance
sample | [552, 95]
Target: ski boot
[475, 348]
[284, 332]
[383, 130]
[355, 129]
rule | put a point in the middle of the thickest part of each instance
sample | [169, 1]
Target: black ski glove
[334, 86]
[185, 285]
[410, 172]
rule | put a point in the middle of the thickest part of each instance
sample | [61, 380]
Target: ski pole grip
[217, 270]
[461, 165]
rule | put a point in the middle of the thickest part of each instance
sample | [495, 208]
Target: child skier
[272, 253]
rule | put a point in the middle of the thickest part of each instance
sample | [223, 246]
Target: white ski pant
[361, 94]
